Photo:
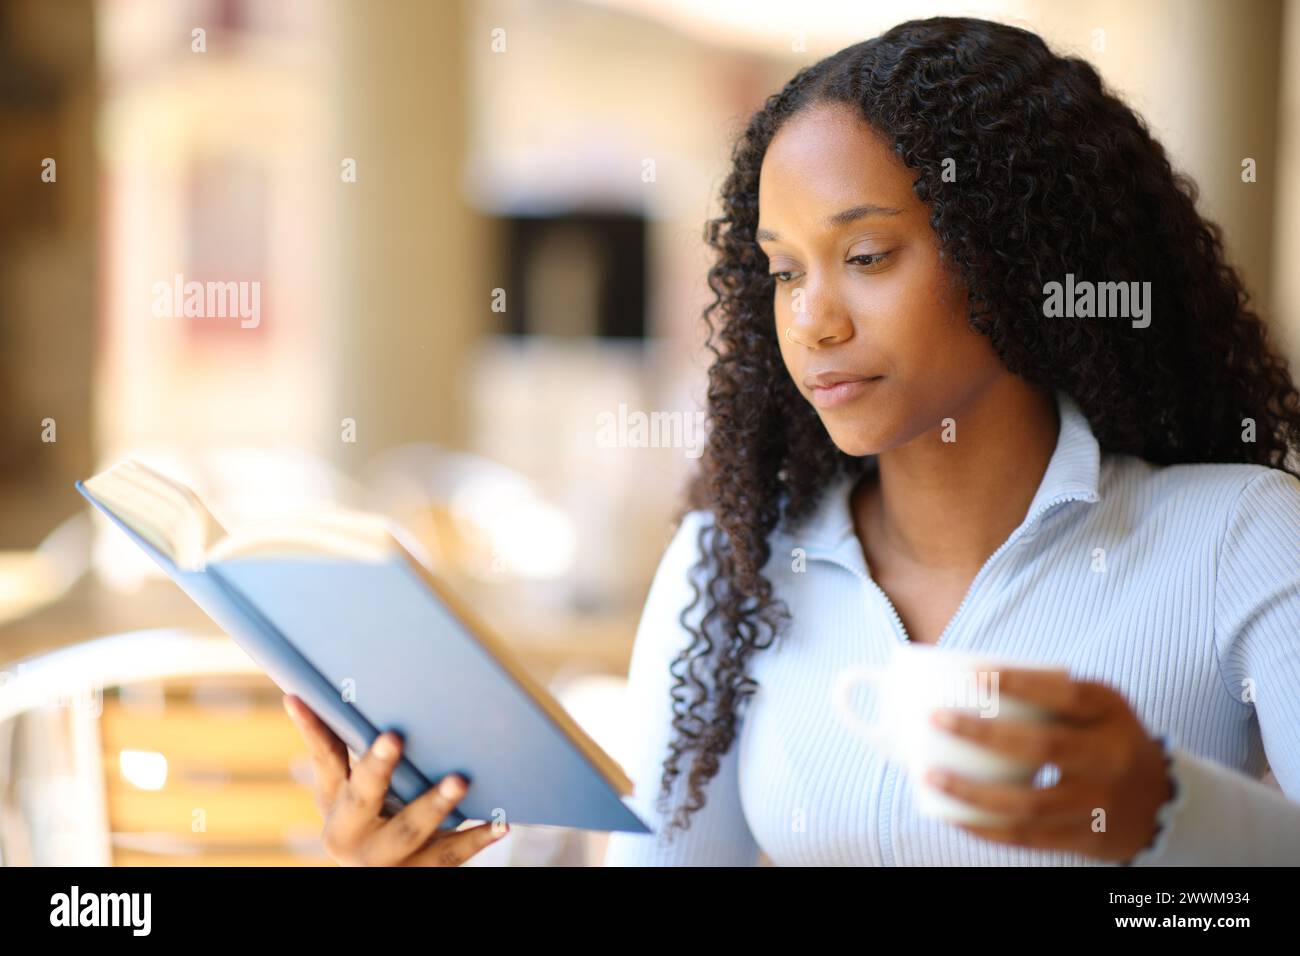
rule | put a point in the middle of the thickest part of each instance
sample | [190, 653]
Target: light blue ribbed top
[1195, 619]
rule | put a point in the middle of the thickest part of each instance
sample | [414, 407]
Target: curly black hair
[1057, 175]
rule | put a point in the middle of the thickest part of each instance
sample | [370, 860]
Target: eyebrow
[841, 218]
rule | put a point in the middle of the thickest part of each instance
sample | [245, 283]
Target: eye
[782, 277]
[871, 259]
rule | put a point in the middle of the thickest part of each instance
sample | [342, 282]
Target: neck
[949, 505]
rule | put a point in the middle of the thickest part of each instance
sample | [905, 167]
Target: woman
[914, 439]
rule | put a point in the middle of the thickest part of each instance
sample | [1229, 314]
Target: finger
[410, 828]
[329, 757]
[455, 848]
[1048, 807]
[1076, 700]
[1028, 741]
[363, 796]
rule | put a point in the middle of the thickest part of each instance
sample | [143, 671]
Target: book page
[161, 510]
[345, 534]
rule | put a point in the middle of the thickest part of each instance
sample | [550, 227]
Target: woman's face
[861, 294]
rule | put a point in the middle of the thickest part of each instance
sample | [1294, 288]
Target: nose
[818, 320]
[821, 343]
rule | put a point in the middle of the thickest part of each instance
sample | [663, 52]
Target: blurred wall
[1286, 248]
[1204, 74]
[48, 236]
[409, 265]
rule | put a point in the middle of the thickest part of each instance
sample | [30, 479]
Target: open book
[338, 611]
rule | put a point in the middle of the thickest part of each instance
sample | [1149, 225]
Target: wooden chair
[153, 748]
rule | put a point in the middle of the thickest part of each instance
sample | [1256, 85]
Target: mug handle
[845, 681]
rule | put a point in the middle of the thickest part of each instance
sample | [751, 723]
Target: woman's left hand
[1112, 773]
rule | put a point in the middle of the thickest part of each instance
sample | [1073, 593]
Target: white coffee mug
[919, 679]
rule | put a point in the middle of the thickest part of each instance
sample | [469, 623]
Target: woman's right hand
[351, 800]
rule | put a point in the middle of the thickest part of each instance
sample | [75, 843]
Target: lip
[827, 377]
[841, 388]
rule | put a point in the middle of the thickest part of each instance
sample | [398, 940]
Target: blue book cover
[380, 644]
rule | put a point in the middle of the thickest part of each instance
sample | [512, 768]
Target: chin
[868, 425]
[856, 440]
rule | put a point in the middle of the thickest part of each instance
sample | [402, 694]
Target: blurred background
[468, 241]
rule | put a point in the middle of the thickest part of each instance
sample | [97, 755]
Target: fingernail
[944, 718]
[385, 746]
[504, 829]
[451, 787]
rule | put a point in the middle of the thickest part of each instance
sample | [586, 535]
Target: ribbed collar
[1072, 474]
